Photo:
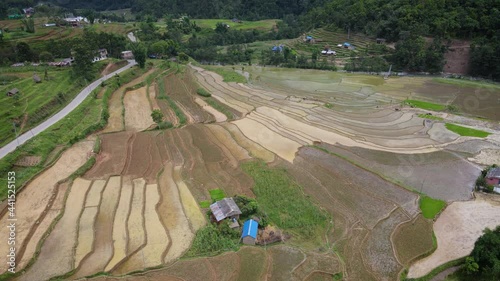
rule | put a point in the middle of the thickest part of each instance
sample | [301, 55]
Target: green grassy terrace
[228, 74]
[431, 207]
[261, 24]
[425, 105]
[466, 132]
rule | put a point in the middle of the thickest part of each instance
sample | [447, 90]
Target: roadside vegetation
[467, 132]
[431, 207]
[88, 117]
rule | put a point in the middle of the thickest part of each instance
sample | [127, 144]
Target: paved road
[61, 114]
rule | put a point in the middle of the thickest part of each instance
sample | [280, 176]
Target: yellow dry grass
[85, 234]
[135, 225]
[137, 110]
[173, 216]
[57, 253]
[94, 196]
[253, 148]
[191, 209]
[226, 140]
[35, 196]
[120, 224]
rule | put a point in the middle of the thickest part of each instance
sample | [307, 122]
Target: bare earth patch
[137, 110]
[457, 229]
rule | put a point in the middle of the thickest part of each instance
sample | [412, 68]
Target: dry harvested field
[337, 134]
[457, 229]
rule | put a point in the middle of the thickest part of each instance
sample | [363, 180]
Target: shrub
[202, 92]
[165, 125]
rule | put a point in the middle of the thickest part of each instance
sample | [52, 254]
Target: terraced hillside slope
[340, 140]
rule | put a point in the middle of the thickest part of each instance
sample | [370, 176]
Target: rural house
[493, 177]
[225, 208]
[12, 92]
[127, 55]
[249, 233]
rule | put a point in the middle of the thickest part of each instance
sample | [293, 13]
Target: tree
[46, 56]
[84, 53]
[24, 52]
[139, 51]
[157, 116]
[221, 28]
[484, 260]
[29, 25]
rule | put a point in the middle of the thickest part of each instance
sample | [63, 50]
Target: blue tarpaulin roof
[250, 228]
[347, 44]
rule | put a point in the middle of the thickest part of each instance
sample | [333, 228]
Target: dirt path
[457, 229]
[137, 110]
[36, 195]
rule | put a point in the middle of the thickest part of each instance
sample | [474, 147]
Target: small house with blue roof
[249, 233]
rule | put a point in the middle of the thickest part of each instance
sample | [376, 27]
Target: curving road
[61, 114]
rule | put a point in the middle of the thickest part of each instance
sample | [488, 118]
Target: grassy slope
[32, 98]
[431, 207]
[261, 24]
[84, 119]
[284, 202]
[468, 132]
[432, 117]
[227, 74]
[426, 105]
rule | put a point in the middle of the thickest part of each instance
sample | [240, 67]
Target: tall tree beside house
[84, 53]
[139, 51]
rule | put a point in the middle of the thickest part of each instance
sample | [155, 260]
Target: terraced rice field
[138, 207]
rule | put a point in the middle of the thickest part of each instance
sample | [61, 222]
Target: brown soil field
[225, 266]
[457, 229]
[85, 234]
[33, 199]
[284, 261]
[179, 88]
[317, 264]
[57, 254]
[361, 228]
[253, 264]
[102, 250]
[152, 96]
[111, 160]
[422, 172]
[137, 110]
[413, 239]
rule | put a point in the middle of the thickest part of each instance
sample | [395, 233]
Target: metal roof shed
[249, 233]
[225, 208]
